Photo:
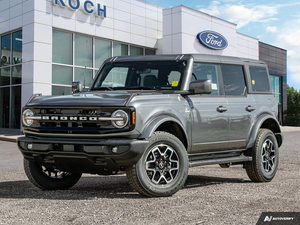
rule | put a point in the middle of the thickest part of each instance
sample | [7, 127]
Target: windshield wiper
[103, 88]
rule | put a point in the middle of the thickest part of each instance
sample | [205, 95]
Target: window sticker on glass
[175, 83]
[214, 86]
[253, 82]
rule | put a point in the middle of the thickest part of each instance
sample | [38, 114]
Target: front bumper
[94, 156]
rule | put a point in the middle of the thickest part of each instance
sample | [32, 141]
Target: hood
[86, 99]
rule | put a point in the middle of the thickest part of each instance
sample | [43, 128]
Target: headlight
[27, 113]
[119, 119]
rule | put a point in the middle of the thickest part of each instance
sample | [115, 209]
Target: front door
[210, 128]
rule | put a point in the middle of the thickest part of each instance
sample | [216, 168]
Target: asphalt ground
[211, 195]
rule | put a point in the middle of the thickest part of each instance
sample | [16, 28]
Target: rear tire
[47, 179]
[265, 157]
[163, 168]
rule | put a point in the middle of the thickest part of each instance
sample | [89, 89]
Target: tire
[49, 180]
[163, 168]
[265, 157]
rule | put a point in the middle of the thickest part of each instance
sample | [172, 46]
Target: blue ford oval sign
[212, 40]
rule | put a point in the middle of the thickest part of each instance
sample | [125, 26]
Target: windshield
[140, 75]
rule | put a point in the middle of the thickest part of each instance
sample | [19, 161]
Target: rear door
[241, 106]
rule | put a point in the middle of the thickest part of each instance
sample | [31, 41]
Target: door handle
[249, 108]
[221, 109]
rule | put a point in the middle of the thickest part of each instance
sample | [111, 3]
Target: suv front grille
[75, 121]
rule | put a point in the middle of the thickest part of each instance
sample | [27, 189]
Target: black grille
[65, 125]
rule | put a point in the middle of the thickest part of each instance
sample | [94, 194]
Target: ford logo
[212, 40]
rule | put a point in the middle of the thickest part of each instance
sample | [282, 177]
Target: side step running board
[240, 158]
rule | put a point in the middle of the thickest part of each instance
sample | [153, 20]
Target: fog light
[29, 146]
[114, 149]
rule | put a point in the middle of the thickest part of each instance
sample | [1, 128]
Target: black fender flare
[257, 125]
[152, 125]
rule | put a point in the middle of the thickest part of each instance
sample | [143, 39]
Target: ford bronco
[153, 117]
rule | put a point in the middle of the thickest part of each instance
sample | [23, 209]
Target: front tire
[265, 157]
[49, 179]
[163, 168]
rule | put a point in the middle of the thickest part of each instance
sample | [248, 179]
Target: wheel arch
[268, 122]
[170, 125]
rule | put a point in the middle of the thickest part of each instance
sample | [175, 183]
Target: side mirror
[200, 87]
[76, 87]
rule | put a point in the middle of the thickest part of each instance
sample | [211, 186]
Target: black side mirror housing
[76, 87]
[200, 87]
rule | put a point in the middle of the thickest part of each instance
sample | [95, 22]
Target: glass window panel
[15, 107]
[62, 75]
[149, 51]
[83, 51]
[136, 50]
[272, 83]
[259, 78]
[62, 47]
[5, 76]
[116, 77]
[5, 50]
[120, 49]
[4, 107]
[16, 75]
[79, 76]
[234, 80]
[207, 72]
[102, 51]
[17, 47]
[59, 90]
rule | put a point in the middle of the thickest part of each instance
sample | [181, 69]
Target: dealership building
[47, 44]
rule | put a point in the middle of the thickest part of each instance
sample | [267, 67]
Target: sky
[275, 22]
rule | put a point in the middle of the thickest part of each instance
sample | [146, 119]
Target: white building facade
[47, 44]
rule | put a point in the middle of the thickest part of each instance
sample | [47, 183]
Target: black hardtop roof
[174, 57]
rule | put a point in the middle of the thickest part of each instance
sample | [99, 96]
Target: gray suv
[153, 117]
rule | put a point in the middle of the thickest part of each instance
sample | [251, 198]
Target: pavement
[11, 135]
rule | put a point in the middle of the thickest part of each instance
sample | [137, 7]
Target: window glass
[62, 75]
[120, 49]
[84, 76]
[62, 47]
[17, 47]
[149, 75]
[207, 72]
[275, 86]
[149, 51]
[234, 79]
[5, 50]
[102, 51]
[136, 50]
[4, 107]
[5, 76]
[16, 75]
[83, 51]
[59, 90]
[15, 117]
[259, 78]
[116, 77]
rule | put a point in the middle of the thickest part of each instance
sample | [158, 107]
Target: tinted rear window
[259, 78]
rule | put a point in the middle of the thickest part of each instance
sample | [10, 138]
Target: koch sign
[87, 6]
[212, 40]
